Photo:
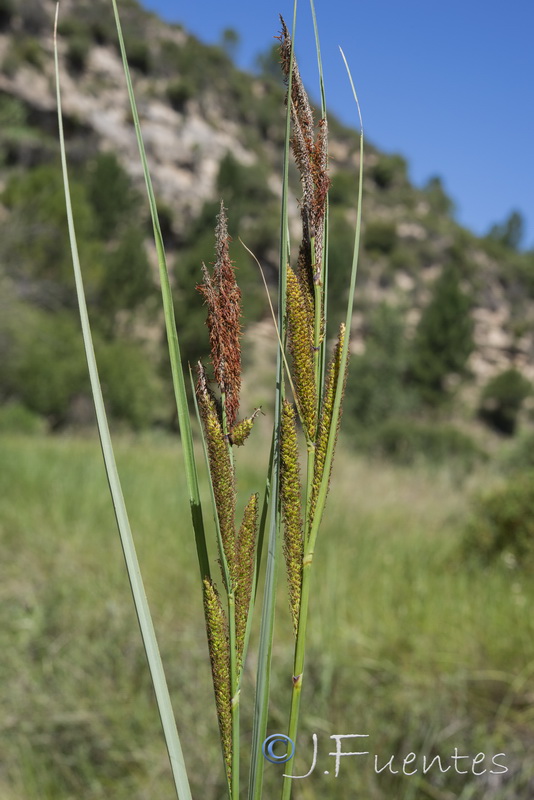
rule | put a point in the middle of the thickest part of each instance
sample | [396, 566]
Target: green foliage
[126, 281]
[502, 524]
[22, 50]
[48, 369]
[179, 91]
[405, 441]
[139, 56]
[388, 171]
[37, 243]
[340, 241]
[131, 387]
[7, 9]
[59, 553]
[380, 236]
[16, 418]
[268, 63]
[33, 16]
[375, 384]
[443, 340]
[45, 373]
[110, 193]
[230, 41]
[520, 456]
[511, 232]
[502, 398]
[344, 189]
[78, 52]
[439, 201]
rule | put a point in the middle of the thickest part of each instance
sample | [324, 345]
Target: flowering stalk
[227, 630]
[315, 386]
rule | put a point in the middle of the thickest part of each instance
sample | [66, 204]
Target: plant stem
[234, 687]
[298, 668]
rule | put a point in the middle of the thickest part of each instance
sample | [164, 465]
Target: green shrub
[380, 237]
[375, 385]
[502, 398]
[131, 387]
[388, 170]
[50, 370]
[406, 441]
[344, 189]
[127, 280]
[443, 339]
[7, 9]
[520, 457]
[33, 16]
[23, 50]
[110, 193]
[502, 524]
[37, 247]
[15, 417]
[78, 52]
[139, 56]
[179, 91]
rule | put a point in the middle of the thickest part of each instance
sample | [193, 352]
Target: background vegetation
[413, 642]
[421, 634]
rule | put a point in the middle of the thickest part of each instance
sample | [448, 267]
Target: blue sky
[449, 85]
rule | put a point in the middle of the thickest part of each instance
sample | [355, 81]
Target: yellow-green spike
[290, 493]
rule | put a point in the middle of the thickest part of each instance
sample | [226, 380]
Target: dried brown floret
[223, 298]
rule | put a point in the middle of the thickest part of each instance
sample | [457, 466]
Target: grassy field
[408, 645]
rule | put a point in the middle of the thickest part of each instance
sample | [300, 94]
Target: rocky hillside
[212, 130]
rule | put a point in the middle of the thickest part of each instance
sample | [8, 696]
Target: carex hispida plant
[309, 388]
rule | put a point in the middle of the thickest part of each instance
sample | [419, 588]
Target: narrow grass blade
[172, 335]
[130, 556]
[263, 680]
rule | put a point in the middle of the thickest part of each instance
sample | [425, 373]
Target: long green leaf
[178, 378]
[130, 556]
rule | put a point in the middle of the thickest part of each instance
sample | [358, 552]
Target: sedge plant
[286, 513]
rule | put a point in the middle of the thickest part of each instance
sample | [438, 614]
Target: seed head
[290, 494]
[325, 419]
[223, 298]
[219, 649]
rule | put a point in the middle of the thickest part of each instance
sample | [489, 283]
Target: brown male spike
[311, 157]
[223, 298]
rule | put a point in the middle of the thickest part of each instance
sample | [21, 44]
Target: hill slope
[210, 131]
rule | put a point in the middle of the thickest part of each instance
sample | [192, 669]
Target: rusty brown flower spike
[311, 157]
[300, 333]
[221, 469]
[325, 419]
[219, 650]
[290, 494]
[246, 544]
[223, 298]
